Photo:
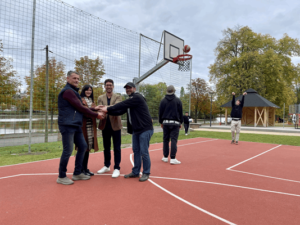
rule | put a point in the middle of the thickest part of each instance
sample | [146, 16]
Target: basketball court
[217, 183]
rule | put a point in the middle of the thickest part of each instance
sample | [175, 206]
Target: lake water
[20, 124]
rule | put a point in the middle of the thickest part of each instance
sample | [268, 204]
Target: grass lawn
[18, 154]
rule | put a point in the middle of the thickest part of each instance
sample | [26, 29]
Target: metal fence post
[47, 95]
[31, 74]
[190, 92]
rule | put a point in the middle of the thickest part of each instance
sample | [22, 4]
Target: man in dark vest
[236, 116]
[70, 114]
[139, 124]
[170, 118]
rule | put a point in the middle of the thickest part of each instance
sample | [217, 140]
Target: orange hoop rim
[183, 57]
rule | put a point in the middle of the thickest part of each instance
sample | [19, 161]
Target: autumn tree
[9, 81]
[245, 59]
[57, 80]
[91, 71]
[200, 99]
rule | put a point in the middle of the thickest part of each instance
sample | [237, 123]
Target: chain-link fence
[76, 40]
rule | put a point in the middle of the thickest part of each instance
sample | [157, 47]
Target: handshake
[102, 110]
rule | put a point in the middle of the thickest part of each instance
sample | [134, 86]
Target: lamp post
[211, 94]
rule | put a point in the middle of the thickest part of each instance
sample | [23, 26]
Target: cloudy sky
[199, 23]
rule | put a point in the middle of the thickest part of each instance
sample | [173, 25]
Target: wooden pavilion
[257, 110]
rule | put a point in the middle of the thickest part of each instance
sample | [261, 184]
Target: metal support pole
[47, 95]
[210, 108]
[190, 92]
[283, 113]
[31, 74]
[140, 49]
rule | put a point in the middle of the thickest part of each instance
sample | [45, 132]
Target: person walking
[186, 122]
[170, 118]
[70, 115]
[111, 128]
[139, 124]
[236, 116]
[89, 127]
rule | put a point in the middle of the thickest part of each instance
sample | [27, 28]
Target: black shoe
[85, 172]
[236, 143]
[144, 177]
[232, 142]
[131, 175]
[89, 173]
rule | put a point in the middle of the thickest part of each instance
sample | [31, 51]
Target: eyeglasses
[108, 85]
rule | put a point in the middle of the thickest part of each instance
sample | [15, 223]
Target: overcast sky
[199, 23]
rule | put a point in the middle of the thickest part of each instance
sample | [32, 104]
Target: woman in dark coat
[89, 127]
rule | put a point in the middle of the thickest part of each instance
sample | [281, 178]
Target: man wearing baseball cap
[170, 118]
[139, 124]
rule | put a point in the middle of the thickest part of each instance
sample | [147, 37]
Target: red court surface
[217, 183]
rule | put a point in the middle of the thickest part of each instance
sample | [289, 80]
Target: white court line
[256, 174]
[228, 185]
[185, 144]
[185, 201]
[252, 157]
[92, 153]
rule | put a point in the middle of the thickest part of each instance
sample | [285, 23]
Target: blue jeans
[71, 135]
[140, 147]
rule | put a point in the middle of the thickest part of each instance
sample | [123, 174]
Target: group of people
[77, 124]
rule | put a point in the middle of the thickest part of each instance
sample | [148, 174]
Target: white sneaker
[116, 173]
[103, 170]
[164, 159]
[174, 161]
[186, 134]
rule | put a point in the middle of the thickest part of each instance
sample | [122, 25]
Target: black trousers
[186, 127]
[107, 134]
[85, 160]
[170, 132]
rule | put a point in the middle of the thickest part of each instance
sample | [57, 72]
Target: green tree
[91, 71]
[245, 59]
[9, 81]
[57, 80]
[200, 100]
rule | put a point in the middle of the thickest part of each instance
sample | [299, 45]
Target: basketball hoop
[184, 62]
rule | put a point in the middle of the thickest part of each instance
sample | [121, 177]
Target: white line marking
[229, 185]
[185, 144]
[256, 174]
[185, 201]
[252, 157]
[92, 153]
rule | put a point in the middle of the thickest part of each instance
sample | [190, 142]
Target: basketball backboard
[173, 46]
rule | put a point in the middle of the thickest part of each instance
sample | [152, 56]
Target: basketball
[186, 48]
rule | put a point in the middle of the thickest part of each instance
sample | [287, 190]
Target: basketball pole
[140, 49]
[190, 90]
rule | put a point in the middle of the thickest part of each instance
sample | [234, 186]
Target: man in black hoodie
[170, 118]
[139, 124]
[236, 116]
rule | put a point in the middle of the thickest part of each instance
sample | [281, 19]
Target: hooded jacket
[138, 115]
[170, 108]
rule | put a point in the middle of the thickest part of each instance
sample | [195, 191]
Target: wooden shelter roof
[252, 99]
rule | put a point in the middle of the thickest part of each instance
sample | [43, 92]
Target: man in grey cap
[139, 124]
[170, 118]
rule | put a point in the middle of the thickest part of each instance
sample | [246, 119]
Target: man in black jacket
[139, 124]
[170, 118]
[186, 121]
[236, 116]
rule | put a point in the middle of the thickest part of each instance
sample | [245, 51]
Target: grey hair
[70, 72]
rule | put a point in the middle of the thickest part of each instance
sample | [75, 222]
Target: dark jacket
[139, 114]
[67, 114]
[170, 108]
[237, 110]
[186, 119]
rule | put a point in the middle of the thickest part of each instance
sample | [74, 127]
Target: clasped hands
[102, 110]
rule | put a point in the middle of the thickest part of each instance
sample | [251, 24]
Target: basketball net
[184, 62]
